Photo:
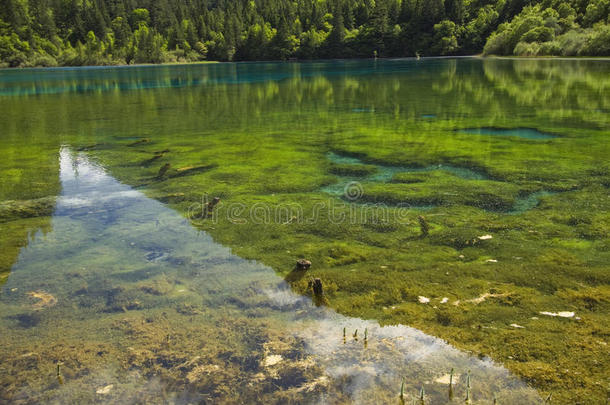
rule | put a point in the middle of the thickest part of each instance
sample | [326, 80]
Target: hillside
[100, 32]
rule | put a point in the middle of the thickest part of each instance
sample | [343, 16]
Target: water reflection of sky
[96, 215]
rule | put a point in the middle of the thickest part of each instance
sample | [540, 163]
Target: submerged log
[141, 141]
[423, 226]
[190, 170]
[163, 170]
[88, 147]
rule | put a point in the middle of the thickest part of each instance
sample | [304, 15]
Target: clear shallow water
[383, 173]
[527, 133]
[116, 259]
[132, 290]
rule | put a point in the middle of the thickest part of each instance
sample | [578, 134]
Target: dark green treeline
[99, 32]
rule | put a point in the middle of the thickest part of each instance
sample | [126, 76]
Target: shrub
[527, 49]
[538, 34]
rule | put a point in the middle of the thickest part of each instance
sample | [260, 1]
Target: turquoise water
[385, 173]
[527, 133]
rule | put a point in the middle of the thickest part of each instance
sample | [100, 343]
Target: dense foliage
[91, 32]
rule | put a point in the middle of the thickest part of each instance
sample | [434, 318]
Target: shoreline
[211, 62]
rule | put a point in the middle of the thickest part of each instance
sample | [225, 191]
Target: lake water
[445, 205]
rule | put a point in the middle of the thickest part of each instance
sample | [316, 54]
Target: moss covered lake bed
[465, 198]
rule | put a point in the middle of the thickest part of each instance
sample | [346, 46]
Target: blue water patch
[527, 133]
[428, 116]
[528, 201]
[385, 174]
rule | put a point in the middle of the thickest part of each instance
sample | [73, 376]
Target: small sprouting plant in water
[422, 395]
[468, 387]
[356, 335]
[343, 335]
[451, 384]
[60, 378]
[402, 389]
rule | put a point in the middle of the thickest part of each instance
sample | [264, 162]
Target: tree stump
[303, 264]
[210, 206]
[317, 287]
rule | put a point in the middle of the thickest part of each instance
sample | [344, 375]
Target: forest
[113, 32]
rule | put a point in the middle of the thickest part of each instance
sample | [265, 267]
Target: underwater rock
[27, 320]
[188, 309]
[561, 314]
[303, 264]
[190, 170]
[40, 207]
[272, 360]
[45, 300]
[154, 256]
[198, 373]
[105, 390]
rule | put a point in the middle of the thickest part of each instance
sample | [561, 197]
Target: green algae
[548, 251]
[28, 187]
[145, 308]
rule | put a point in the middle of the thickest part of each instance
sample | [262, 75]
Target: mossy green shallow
[499, 256]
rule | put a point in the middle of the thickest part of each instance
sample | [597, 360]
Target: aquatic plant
[60, 378]
[450, 393]
[468, 399]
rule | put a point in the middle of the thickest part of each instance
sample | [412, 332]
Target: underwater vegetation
[471, 238]
[29, 183]
[146, 308]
